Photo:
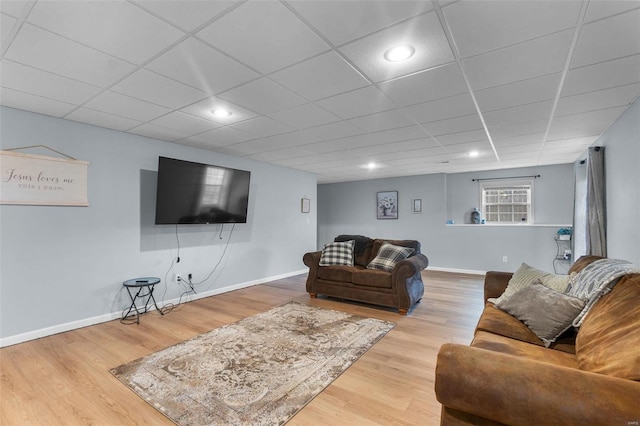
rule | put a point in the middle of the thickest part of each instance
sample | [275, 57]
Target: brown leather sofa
[401, 288]
[507, 375]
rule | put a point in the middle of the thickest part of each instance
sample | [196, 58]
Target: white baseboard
[73, 325]
[456, 270]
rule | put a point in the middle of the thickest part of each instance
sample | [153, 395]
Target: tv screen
[195, 193]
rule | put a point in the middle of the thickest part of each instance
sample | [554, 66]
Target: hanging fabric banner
[40, 180]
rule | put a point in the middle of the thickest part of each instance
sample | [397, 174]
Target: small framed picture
[387, 207]
[416, 205]
[305, 205]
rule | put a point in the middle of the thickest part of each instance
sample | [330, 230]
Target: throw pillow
[525, 275]
[388, 256]
[548, 313]
[337, 253]
[596, 280]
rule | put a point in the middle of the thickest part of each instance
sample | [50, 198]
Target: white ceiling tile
[320, 77]
[453, 125]
[286, 140]
[185, 123]
[512, 130]
[497, 24]
[108, 26]
[203, 109]
[263, 126]
[600, 99]
[442, 109]
[158, 132]
[196, 64]
[518, 93]
[602, 76]
[462, 137]
[516, 151]
[383, 121]
[6, 25]
[42, 83]
[263, 96]
[604, 9]
[158, 89]
[481, 146]
[124, 106]
[186, 14]
[13, 8]
[519, 114]
[424, 33]
[608, 39]
[102, 119]
[585, 141]
[264, 35]
[336, 130]
[433, 84]
[343, 21]
[41, 49]
[367, 100]
[545, 55]
[304, 116]
[28, 102]
[584, 124]
[531, 139]
[221, 137]
[279, 154]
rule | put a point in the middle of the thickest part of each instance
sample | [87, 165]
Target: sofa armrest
[410, 266]
[513, 390]
[495, 283]
[312, 259]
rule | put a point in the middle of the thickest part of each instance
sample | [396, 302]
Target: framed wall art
[416, 205]
[387, 205]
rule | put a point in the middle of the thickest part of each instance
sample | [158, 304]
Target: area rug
[259, 371]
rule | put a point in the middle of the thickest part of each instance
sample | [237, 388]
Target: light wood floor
[65, 380]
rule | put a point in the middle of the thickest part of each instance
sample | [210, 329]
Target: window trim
[508, 183]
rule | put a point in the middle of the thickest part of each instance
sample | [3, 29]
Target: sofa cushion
[505, 345]
[388, 256]
[337, 273]
[609, 337]
[337, 253]
[526, 275]
[372, 278]
[361, 248]
[548, 313]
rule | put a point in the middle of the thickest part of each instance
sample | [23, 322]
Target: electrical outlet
[504, 259]
[178, 277]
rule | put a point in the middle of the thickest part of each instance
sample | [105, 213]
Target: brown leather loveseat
[401, 288]
[508, 376]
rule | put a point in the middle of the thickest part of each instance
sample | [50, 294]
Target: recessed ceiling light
[221, 112]
[399, 53]
[371, 166]
[474, 154]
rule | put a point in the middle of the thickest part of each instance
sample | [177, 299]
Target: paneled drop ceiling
[523, 83]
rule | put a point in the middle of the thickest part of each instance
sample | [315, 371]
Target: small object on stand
[141, 284]
[475, 215]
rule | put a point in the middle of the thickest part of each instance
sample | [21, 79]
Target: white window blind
[507, 202]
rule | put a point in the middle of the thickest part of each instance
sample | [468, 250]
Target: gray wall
[349, 208]
[622, 169]
[64, 266]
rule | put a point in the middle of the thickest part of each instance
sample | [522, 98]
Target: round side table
[142, 287]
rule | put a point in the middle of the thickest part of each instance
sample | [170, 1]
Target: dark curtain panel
[596, 235]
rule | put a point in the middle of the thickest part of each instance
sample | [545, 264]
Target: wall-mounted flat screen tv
[195, 193]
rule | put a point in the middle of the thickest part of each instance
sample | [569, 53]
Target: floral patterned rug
[258, 371]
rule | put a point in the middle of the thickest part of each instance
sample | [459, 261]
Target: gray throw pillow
[546, 312]
[388, 256]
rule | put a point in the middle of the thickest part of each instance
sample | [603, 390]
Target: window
[507, 202]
